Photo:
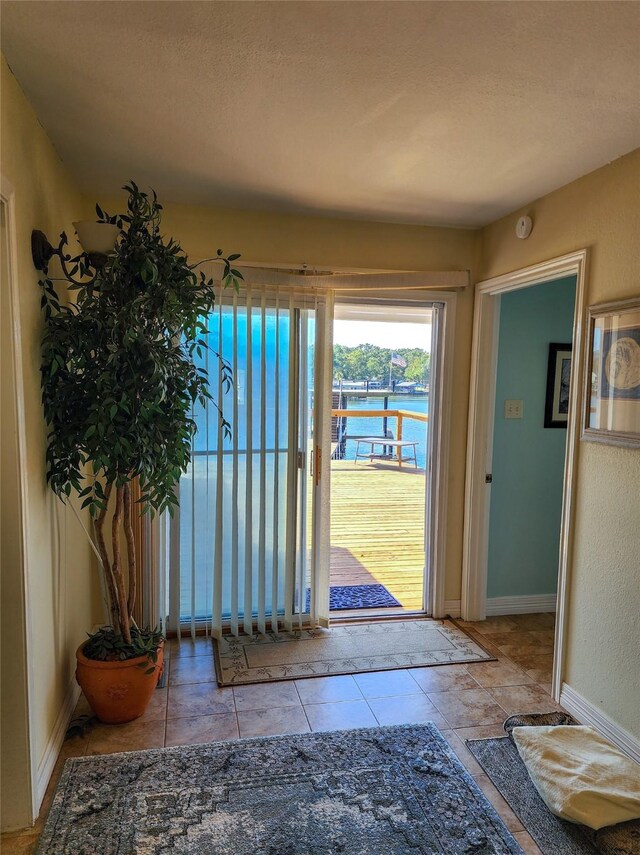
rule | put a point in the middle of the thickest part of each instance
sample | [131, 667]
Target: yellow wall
[283, 239]
[61, 591]
[602, 213]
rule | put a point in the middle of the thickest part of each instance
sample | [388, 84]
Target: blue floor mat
[346, 597]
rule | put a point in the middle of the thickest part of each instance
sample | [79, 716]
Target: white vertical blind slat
[235, 510]
[292, 469]
[276, 473]
[207, 496]
[216, 623]
[301, 557]
[193, 539]
[248, 521]
[263, 470]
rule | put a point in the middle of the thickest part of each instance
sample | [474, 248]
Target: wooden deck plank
[377, 528]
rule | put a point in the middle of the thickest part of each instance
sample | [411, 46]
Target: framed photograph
[556, 405]
[612, 378]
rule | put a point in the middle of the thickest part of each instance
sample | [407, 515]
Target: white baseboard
[587, 713]
[46, 765]
[452, 608]
[521, 605]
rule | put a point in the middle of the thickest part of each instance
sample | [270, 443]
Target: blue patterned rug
[346, 597]
[378, 791]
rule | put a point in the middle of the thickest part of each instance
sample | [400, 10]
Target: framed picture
[556, 405]
[612, 378]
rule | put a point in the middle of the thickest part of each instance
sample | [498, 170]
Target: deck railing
[400, 415]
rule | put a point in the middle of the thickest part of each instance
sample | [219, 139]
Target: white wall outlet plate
[513, 409]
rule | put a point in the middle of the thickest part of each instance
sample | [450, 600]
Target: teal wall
[528, 459]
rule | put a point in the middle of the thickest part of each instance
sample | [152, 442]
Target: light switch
[513, 409]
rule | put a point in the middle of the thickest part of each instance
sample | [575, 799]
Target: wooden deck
[377, 528]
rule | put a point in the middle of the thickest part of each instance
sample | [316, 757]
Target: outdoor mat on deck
[343, 649]
[347, 597]
[392, 790]
[500, 760]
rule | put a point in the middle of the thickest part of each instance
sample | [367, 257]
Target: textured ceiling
[448, 113]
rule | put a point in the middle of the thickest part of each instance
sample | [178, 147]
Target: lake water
[411, 430]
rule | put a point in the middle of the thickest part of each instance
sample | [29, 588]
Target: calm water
[411, 430]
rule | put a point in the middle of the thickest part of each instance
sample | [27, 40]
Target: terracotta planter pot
[118, 691]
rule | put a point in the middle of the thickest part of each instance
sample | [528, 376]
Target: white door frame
[484, 358]
[437, 496]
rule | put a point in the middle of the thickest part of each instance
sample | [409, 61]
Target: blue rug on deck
[346, 597]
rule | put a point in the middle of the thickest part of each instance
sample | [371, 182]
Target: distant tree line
[369, 362]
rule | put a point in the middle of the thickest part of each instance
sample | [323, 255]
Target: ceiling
[446, 113]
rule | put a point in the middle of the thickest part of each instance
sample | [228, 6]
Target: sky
[382, 333]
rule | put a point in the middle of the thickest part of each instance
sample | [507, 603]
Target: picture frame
[612, 374]
[556, 405]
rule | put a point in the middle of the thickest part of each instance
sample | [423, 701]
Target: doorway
[535, 332]
[494, 401]
[380, 445]
[248, 545]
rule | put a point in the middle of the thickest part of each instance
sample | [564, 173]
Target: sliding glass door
[242, 543]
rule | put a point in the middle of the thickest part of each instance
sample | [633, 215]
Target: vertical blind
[240, 551]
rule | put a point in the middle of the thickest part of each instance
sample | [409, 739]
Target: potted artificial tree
[119, 381]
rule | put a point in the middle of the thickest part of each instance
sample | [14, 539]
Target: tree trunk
[104, 557]
[131, 548]
[123, 612]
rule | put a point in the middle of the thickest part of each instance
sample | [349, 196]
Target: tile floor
[465, 702]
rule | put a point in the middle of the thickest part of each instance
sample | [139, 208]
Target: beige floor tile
[187, 647]
[340, 716]
[443, 678]
[544, 636]
[498, 674]
[494, 624]
[527, 650]
[323, 690]
[263, 696]
[199, 699]
[538, 621]
[467, 707]
[506, 814]
[546, 687]
[543, 674]
[523, 699]
[192, 669]
[532, 661]
[203, 728]
[135, 736]
[406, 709]
[82, 707]
[273, 722]
[157, 709]
[516, 638]
[385, 684]
[527, 843]
[462, 752]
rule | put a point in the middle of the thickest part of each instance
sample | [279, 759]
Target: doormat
[345, 649]
[346, 597]
[395, 790]
[500, 760]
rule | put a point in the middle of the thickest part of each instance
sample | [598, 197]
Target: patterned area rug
[343, 649]
[393, 790]
[501, 761]
[346, 597]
